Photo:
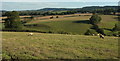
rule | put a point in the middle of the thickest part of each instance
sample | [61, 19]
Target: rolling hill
[73, 24]
[18, 45]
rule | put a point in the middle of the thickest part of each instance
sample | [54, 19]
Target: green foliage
[112, 33]
[117, 27]
[63, 32]
[13, 20]
[108, 11]
[100, 30]
[96, 27]
[76, 24]
[95, 19]
[17, 25]
[90, 32]
[64, 11]
[116, 33]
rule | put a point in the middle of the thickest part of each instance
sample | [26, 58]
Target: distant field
[1, 26]
[58, 46]
[20, 16]
[108, 21]
[74, 24]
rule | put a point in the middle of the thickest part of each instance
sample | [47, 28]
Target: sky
[60, 0]
[11, 5]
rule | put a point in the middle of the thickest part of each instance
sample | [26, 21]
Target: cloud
[21, 0]
[27, 6]
[60, 0]
[39, 5]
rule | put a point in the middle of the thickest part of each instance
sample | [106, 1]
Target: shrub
[95, 27]
[50, 32]
[108, 33]
[116, 33]
[117, 27]
[90, 32]
[100, 30]
[63, 32]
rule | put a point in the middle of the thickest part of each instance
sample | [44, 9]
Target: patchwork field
[74, 24]
[17, 45]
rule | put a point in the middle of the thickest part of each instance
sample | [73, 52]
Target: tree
[96, 27]
[90, 32]
[101, 31]
[13, 20]
[108, 11]
[95, 19]
[117, 27]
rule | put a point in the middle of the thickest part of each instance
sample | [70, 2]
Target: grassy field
[57, 46]
[20, 17]
[61, 46]
[73, 24]
[0, 25]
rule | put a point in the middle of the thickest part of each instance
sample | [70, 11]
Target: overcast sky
[39, 4]
[60, 0]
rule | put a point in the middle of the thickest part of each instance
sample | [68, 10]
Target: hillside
[88, 8]
[72, 24]
[58, 46]
[54, 9]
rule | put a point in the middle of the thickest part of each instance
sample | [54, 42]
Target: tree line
[95, 20]
[58, 11]
[13, 22]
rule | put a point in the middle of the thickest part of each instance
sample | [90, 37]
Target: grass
[1, 26]
[108, 21]
[58, 46]
[68, 24]
[74, 25]
[61, 46]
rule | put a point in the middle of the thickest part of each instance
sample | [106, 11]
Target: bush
[90, 32]
[101, 31]
[50, 32]
[108, 33]
[62, 32]
[117, 27]
[117, 33]
[95, 27]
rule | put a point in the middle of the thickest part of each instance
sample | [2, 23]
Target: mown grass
[57, 46]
